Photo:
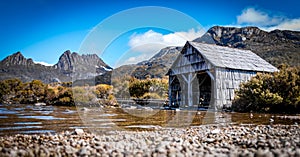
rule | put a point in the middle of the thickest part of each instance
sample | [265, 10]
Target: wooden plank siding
[227, 81]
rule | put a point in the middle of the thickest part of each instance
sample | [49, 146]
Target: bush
[83, 95]
[105, 95]
[138, 88]
[277, 93]
[10, 90]
[151, 96]
[63, 97]
[103, 91]
[142, 90]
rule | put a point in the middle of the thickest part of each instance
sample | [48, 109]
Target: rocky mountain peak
[17, 59]
[81, 66]
[68, 59]
[219, 30]
[230, 36]
[166, 51]
[162, 57]
[280, 43]
[67, 52]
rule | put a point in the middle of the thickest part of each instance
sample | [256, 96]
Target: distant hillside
[276, 47]
[71, 66]
[155, 67]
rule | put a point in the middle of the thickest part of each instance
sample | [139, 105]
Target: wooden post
[189, 81]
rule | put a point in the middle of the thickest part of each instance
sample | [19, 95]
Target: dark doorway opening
[175, 98]
[204, 95]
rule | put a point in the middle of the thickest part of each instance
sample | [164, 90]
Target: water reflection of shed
[208, 75]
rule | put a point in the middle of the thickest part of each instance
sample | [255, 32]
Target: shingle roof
[233, 58]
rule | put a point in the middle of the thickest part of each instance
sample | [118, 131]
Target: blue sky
[44, 29]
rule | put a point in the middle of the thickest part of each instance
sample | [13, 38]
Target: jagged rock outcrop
[17, 59]
[81, 66]
[276, 47]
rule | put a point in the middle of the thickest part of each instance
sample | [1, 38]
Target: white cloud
[290, 24]
[191, 34]
[43, 63]
[267, 21]
[150, 42]
[257, 17]
[253, 16]
[158, 40]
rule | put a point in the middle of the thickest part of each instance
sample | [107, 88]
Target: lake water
[31, 119]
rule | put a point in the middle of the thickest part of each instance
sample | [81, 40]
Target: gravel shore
[209, 140]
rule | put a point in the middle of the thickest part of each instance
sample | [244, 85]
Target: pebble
[79, 131]
[206, 140]
[215, 131]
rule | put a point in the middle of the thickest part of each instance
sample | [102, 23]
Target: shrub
[102, 91]
[142, 90]
[63, 97]
[83, 95]
[105, 95]
[277, 92]
[10, 90]
[137, 88]
[150, 96]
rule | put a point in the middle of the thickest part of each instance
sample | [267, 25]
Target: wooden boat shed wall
[208, 75]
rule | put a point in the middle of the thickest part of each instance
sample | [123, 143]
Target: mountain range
[276, 47]
[70, 67]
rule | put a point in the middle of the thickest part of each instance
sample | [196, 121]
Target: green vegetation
[276, 93]
[15, 91]
[105, 95]
[62, 96]
[141, 90]
[121, 86]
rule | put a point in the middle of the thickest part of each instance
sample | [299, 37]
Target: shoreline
[216, 140]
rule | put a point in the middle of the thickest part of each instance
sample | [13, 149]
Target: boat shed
[206, 75]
